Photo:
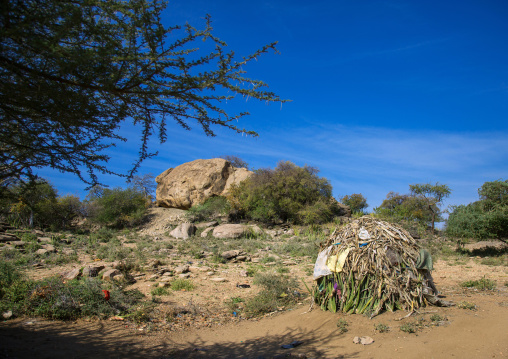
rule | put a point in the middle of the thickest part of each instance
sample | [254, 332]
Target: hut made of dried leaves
[368, 266]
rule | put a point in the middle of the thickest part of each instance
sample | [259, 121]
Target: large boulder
[194, 182]
[183, 231]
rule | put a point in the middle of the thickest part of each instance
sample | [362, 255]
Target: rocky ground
[208, 319]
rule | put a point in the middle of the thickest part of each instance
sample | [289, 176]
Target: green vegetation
[277, 291]
[420, 206]
[342, 325]
[480, 284]
[182, 284]
[466, 305]
[409, 327]
[117, 207]
[159, 291]
[56, 299]
[287, 193]
[213, 207]
[36, 204]
[486, 218]
[356, 202]
[382, 328]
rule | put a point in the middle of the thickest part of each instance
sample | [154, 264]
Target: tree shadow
[45, 339]
[487, 251]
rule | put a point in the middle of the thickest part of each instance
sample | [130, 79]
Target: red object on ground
[106, 294]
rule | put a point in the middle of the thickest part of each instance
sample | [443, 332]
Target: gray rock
[68, 251]
[182, 269]
[41, 251]
[92, 270]
[229, 231]
[6, 237]
[207, 224]
[49, 247]
[218, 279]
[231, 254]
[109, 274]
[7, 315]
[206, 231]
[73, 274]
[183, 231]
[184, 275]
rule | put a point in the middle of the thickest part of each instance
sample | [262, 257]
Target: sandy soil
[482, 333]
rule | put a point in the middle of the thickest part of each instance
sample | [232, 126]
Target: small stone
[231, 254]
[210, 273]
[218, 279]
[119, 277]
[41, 251]
[243, 273]
[68, 251]
[363, 340]
[110, 274]
[7, 315]
[73, 274]
[92, 270]
[49, 247]
[182, 269]
[184, 275]
[45, 239]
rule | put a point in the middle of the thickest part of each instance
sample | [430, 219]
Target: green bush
[483, 219]
[56, 299]
[480, 284]
[35, 204]
[277, 291]
[213, 207]
[356, 202]
[117, 207]
[287, 193]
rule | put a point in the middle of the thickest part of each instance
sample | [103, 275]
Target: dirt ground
[461, 333]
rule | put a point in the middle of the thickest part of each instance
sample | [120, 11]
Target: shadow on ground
[33, 338]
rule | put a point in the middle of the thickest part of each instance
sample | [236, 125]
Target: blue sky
[383, 94]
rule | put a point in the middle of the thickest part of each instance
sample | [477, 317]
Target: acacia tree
[356, 201]
[433, 195]
[73, 71]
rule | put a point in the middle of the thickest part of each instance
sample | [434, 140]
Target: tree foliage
[288, 193]
[116, 207]
[356, 202]
[36, 203]
[72, 72]
[420, 206]
[433, 195]
[236, 161]
[483, 219]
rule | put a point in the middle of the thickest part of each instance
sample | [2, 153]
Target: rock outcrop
[194, 182]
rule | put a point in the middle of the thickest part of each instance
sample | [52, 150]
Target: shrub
[35, 203]
[473, 221]
[213, 207]
[116, 207]
[342, 324]
[182, 284]
[382, 328]
[236, 161]
[356, 202]
[277, 291]
[56, 299]
[486, 218]
[481, 284]
[287, 193]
